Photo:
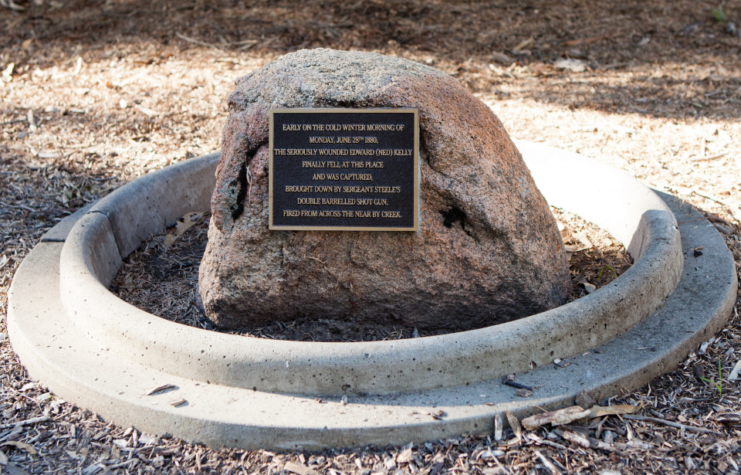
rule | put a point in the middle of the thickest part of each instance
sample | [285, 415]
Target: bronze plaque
[344, 169]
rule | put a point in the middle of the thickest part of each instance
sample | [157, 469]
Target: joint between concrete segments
[110, 224]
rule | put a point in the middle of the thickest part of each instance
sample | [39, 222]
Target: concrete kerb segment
[148, 205]
[647, 228]
[80, 369]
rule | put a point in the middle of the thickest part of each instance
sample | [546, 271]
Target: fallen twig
[299, 469]
[580, 41]
[515, 385]
[14, 121]
[670, 424]
[712, 157]
[534, 439]
[514, 423]
[27, 422]
[196, 42]
[121, 464]
[575, 413]
[546, 461]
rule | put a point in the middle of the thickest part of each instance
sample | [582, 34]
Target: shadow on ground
[668, 59]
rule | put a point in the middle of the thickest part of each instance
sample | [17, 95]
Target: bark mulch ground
[161, 277]
[96, 93]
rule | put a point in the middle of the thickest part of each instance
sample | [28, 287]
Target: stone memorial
[367, 188]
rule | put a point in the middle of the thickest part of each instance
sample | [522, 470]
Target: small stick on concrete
[159, 389]
[669, 423]
[515, 385]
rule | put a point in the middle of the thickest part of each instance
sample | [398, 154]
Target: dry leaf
[704, 346]
[405, 456]
[21, 445]
[147, 112]
[3, 458]
[523, 45]
[576, 438]
[122, 443]
[8, 72]
[572, 249]
[502, 58]
[582, 237]
[177, 402]
[514, 423]
[300, 469]
[573, 65]
[182, 225]
[561, 363]
[498, 427]
[584, 400]
[438, 416]
[146, 439]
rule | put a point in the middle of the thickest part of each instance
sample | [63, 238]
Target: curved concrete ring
[115, 226]
[82, 357]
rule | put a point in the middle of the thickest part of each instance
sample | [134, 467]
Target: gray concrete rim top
[114, 227]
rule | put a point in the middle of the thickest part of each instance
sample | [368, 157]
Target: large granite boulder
[488, 250]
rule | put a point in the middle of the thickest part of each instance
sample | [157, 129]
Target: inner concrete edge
[555, 171]
[149, 204]
[73, 366]
[389, 366]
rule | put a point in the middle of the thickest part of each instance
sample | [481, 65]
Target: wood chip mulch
[95, 94]
[161, 277]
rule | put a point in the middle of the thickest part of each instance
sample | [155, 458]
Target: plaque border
[414, 228]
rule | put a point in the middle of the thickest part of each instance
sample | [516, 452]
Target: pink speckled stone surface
[488, 250]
